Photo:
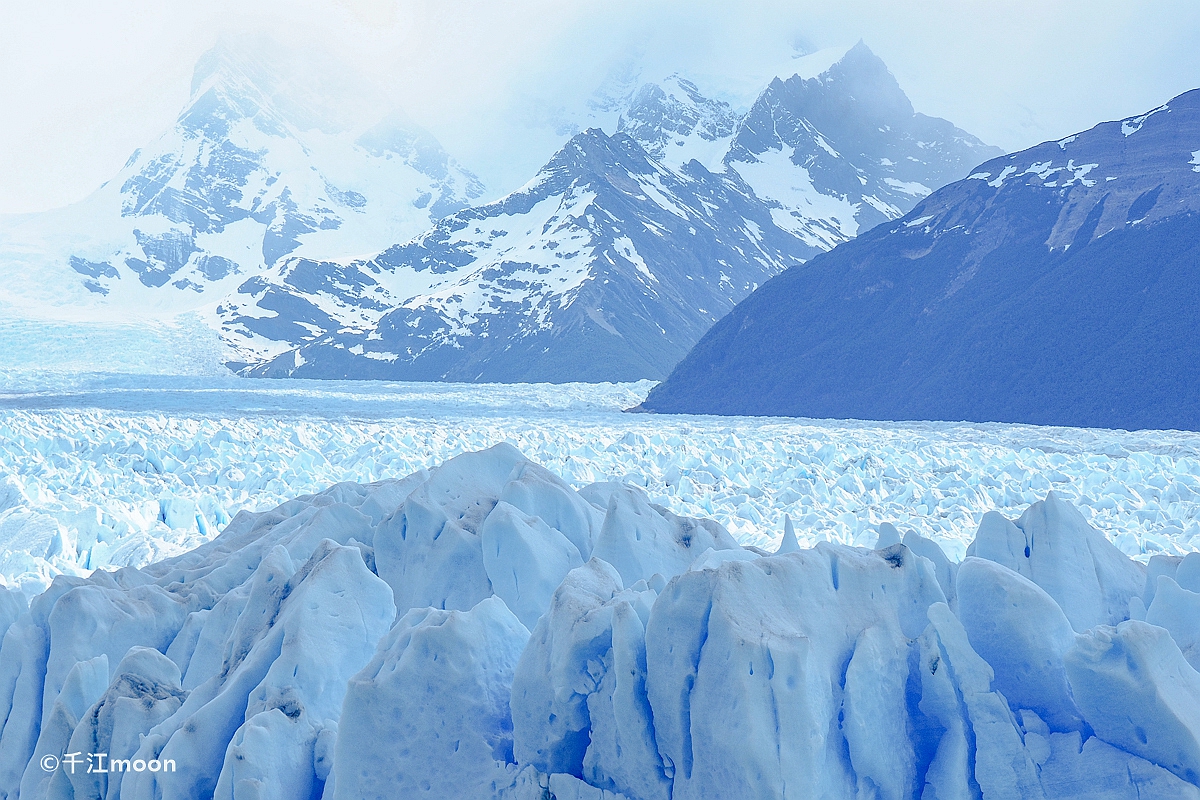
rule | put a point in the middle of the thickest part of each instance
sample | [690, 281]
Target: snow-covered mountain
[832, 146]
[675, 123]
[261, 164]
[268, 215]
[1054, 286]
[843, 151]
[607, 266]
[624, 249]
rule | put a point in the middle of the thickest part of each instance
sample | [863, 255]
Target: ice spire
[788, 543]
[888, 536]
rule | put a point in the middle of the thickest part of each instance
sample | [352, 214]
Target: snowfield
[109, 471]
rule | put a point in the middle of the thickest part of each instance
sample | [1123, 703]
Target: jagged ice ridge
[106, 472]
[482, 629]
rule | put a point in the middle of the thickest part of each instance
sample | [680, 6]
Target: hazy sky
[85, 82]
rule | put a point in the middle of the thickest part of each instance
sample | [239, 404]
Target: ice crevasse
[482, 630]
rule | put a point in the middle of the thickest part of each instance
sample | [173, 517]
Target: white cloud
[87, 81]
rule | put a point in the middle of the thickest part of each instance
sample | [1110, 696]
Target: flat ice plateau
[484, 630]
[110, 471]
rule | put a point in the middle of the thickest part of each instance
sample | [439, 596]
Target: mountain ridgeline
[322, 236]
[842, 152]
[579, 276]
[626, 247]
[1053, 286]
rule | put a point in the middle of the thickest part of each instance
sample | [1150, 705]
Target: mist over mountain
[318, 246]
[263, 162]
[624, 249]
[843, 151]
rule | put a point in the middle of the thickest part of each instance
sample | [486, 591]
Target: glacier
[485, 628]
[109, 471]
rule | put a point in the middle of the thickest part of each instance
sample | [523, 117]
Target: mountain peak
[862, 77]
[1022, 293]
[860, 50]
[606, 266]
[254, 76]
[585, 143]
[264, 161]
[847, 134]
[226, 62]
[593, 152]
[676, 123]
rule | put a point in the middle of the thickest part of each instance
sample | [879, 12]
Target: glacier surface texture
[114, 471]
[482, 629]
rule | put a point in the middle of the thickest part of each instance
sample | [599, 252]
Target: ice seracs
[289, 658]
[1019, 629]
[439, 686]
[745, 672]
[579, 692]
[1178, 610]
[151, 468]
[1052, 545]
[1139, 694]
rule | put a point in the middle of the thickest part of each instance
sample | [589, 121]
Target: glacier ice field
[483, 630]
[104, 471]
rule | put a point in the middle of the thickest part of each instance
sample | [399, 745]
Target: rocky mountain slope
[613, 261]
[1052, 286]
[838, 153]
[608, 266]
[268, 216]
[261, 164]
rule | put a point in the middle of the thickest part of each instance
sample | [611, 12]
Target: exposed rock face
[624, 249]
